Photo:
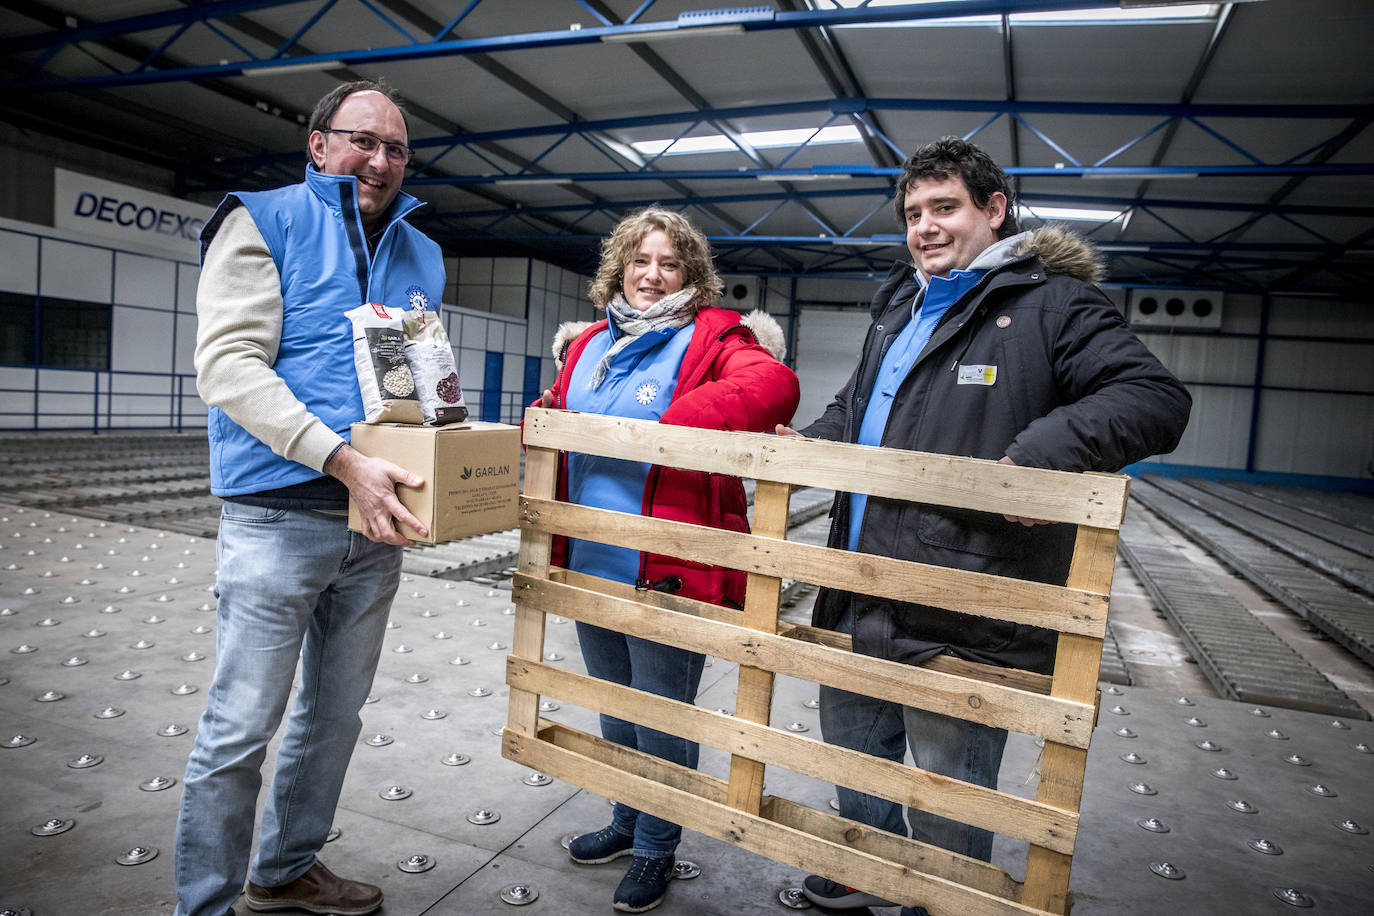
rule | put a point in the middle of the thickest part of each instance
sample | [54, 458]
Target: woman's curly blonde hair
[690, 246]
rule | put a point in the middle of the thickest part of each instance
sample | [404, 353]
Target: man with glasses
[274, 361]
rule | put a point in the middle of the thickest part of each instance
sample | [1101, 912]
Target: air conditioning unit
[1152, 307]
[741, 292]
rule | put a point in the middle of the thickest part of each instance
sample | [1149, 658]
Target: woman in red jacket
[663, 353]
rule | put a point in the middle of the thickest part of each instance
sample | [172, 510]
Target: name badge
[977, 375]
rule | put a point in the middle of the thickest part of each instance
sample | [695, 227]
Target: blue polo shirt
[940, 294]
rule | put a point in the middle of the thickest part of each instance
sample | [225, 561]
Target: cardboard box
[471, 472]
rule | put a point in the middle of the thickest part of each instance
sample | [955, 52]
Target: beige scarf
[673, 311]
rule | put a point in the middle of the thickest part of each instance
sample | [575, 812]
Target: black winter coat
[1075, 390]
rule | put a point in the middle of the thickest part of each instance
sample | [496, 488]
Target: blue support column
[491, 387]
[793, 313]
[1257, 389]
[532, 390]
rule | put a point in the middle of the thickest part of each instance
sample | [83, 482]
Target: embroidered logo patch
[646, 392]
[977, 375]
[416, 299]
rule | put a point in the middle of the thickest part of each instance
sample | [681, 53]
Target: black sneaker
[644, 885]
[835, 896]
[604, 845]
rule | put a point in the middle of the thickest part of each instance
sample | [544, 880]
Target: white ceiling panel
[926, 63]
[1302, 51]
[1084, 63]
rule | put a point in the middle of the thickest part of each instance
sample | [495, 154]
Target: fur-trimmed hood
[762, 325]
[1065, 252]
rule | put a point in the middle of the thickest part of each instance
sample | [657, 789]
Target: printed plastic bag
[384, 375]
[431, 363]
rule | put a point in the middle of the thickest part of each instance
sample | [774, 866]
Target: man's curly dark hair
[952, 156]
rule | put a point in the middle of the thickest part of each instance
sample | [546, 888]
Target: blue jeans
[654, 668]
[941, 744]
[292, 585]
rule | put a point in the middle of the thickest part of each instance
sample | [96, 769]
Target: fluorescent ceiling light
[759, 139]
[1117, 16]
[1104, 15]
[802, 176]
[1136, 176]
[280, 69]
[530, 182]
[1099, 216]
[674, 30]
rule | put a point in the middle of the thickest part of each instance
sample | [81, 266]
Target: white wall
[152, 334]
[828, 344]
[515, 305]
[1316, 390]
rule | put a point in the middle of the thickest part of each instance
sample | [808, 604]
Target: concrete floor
[83, 594]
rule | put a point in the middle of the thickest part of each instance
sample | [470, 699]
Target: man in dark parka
[997, 345]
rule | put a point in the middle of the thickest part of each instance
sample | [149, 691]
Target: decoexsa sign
[133, 216]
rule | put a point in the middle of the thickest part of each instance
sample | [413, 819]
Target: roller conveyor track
[1113, 666]
[1350, 509]
[1337, 533]
[1241, 657]
[75, 498]
[1350, 567]
[1343, 614]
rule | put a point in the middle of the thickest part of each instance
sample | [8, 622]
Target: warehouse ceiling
[1219, 145]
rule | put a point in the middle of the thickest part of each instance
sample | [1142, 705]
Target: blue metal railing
[110, 407]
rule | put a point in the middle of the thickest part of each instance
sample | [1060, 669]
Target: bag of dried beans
[431, 363]
[384, 375]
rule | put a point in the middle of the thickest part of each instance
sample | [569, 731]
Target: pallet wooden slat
[1079, 499]
[1075, 677]
[754, 695]
[951, 694]
[541, 477]
[1031, 603]
[1011, 677]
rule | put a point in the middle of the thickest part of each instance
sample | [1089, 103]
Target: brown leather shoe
[319, 890]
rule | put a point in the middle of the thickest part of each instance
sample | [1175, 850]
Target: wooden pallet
[1060, 708]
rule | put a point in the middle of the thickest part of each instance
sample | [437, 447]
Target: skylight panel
[1030, 211]
[1107, 14]
[759, 139]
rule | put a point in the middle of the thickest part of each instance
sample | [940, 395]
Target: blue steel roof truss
[1191, 258]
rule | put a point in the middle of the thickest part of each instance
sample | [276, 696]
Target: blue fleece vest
[315, 236]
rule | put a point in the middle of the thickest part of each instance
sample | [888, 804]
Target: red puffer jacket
[728, 381]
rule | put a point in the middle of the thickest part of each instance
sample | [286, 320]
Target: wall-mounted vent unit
[1175, 308]
[741, 293]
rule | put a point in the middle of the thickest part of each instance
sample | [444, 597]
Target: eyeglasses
[364, 142]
